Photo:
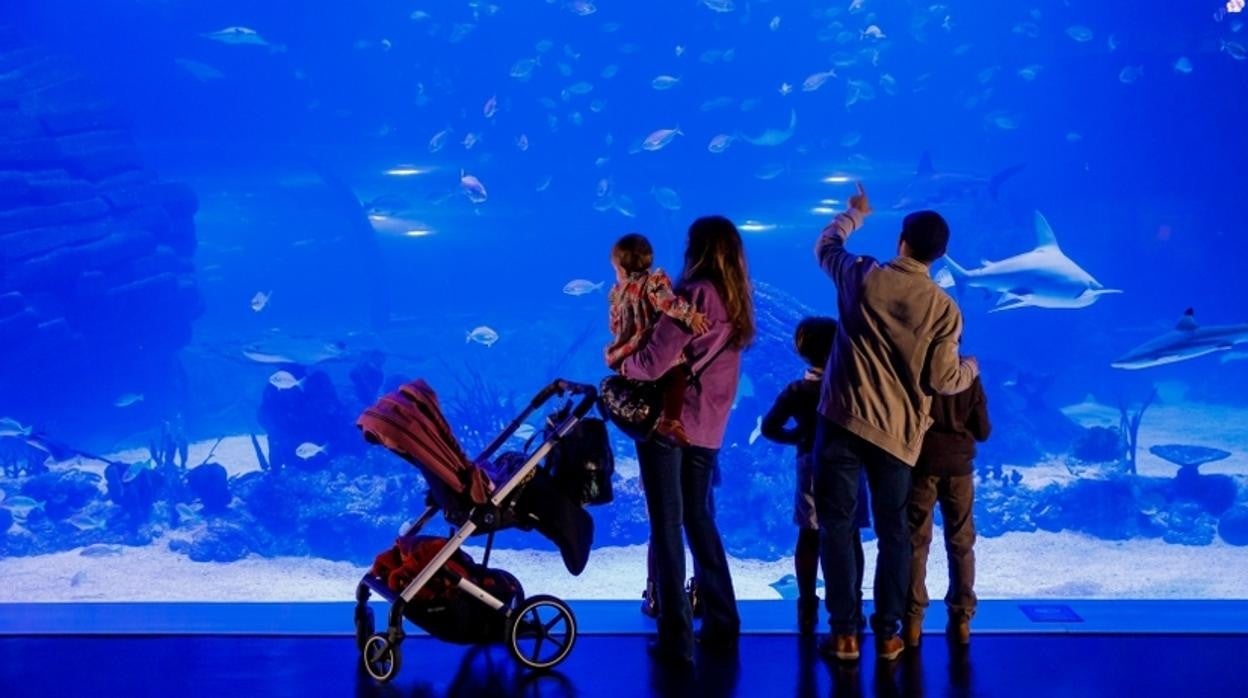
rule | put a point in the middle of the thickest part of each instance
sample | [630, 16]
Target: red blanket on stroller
[410, 423]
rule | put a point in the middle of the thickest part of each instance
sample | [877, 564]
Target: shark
[1188, 340]
[773, 136]
[1042, 278]
[930, 188]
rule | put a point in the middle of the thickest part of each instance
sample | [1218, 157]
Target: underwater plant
[1129, 430]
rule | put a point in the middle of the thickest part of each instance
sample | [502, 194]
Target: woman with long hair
[677, 479]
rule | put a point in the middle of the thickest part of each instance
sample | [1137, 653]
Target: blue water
[1135, 163]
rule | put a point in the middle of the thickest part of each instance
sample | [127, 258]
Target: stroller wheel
[541, 632]
[381, 659]
[365, 626]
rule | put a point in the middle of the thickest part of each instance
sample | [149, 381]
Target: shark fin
[1010, 301]
[952, 275]
[1044, 234]
[1187, 323]
[925, 165]
[994, 184]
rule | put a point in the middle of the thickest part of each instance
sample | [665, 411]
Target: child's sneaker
[695, 599]
[673, 432]
[650, 601]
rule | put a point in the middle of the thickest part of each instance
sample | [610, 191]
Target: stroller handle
[559, 387]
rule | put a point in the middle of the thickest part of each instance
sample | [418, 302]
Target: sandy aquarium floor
[1031, 565]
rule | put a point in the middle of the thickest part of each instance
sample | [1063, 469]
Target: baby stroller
[434, 584]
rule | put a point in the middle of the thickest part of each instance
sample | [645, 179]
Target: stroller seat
[410, 423]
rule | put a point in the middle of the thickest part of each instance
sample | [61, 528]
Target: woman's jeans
[677, 483]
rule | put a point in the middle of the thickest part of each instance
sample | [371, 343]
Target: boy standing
[945, 475]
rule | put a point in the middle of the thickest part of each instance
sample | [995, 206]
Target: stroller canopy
[410, 423]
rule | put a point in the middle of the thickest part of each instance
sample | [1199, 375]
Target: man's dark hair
[927, 235]
[813, 338]
[633, 253]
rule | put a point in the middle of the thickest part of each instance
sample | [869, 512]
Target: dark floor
[765, 665]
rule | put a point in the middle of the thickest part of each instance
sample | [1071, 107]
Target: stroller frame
[523, 617]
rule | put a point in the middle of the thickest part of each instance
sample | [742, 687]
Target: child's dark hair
[633, 253]
[927, 234]
[813, 339]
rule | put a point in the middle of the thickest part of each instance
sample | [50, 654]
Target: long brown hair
[714, 252]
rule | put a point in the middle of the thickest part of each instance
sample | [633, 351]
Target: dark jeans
[840, 457]
[956, 495]
[677, 484]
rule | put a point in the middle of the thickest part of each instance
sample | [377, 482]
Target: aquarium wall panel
[227, 231]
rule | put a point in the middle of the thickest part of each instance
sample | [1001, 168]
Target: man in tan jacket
[896, 347]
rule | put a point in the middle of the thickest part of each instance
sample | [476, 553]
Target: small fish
[597, 106]
[12, 428]
[284, 380]
[719, 143]
[101, 550]
[769, 172]
[22, 505]
[522, 142]
[816, 80]
[260, 300]
[419, 16]
[1112, 42]
[136, 469]
[1131, 74]
[610, 71]
[1234, 49]
[544, 46]
[720, 5]
[717, 103]
[855, 6]
[661, 138]
[680, 50]
[544, 183]
[888, 83]
[581, 88]
[439, 140]
[1029, 72]
[1002, 120]
[490, 108]
[523, 68]
[603, 187]
[1073, 137]
[664, 82]
[237, 36]
[472, 188]
[82, 522]
[307, 450]
[1183, 65]
[1079, 33]
[624, 206]
[774, 25]
[758, 431]
[873, 32]
[128, 400]
[666, 197]
[851, 139]
[582, 287]
[785, 89]
[470, 140]
[482, 335]
[581, 8]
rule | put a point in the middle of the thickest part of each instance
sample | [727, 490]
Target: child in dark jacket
[944, 474]
[799, 402]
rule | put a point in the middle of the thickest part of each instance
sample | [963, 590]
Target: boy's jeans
[956, 495]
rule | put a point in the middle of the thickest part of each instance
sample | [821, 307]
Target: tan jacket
[897, 345]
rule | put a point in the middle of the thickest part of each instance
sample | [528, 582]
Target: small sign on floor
[1050, 613]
